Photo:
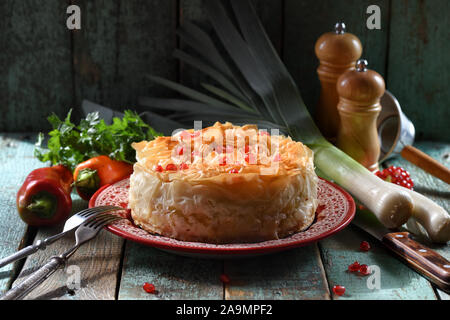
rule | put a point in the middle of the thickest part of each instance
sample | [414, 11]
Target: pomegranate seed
[184, 166]
[223, 162]
[339, 290]
[180, 151]
[364, 270]
[396, 175]
[364, 246]
[171, 167]
[354, 267]
[233, 171]
[158, 168]
[148, 287]
[247, 149]
[224, 278]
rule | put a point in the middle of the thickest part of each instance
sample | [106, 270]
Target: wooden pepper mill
[359, 92]
[337, 52]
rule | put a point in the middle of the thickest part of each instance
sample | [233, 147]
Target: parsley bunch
[70, 144]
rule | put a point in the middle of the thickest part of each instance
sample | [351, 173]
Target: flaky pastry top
[223, 150]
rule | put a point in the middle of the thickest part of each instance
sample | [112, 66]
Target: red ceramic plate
[336, 210]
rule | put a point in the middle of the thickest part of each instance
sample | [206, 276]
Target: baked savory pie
[223, 184]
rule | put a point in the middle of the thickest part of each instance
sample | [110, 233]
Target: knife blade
[422, 259]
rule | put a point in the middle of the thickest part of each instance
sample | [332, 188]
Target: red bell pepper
[44, 198]
[96, 172]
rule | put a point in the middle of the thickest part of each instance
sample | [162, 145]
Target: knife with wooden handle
[425, 261]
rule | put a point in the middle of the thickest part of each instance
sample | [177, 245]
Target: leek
[251, 81]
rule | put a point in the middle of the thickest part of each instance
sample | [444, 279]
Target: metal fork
[85, 232]
[72, 223]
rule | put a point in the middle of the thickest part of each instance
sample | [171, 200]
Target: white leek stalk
[391, 204]
[434, 218]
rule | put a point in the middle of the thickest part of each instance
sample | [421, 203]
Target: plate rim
[349, 215]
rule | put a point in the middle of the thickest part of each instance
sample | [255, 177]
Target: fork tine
[103, 222]
[99, 219]
[90, 211]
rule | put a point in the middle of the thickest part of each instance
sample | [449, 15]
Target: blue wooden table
[111, 268]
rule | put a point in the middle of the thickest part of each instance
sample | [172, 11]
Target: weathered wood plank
[174, 277]
[35, 60]
[430, 186]
[121, 42]
[306, 20]
[98, 262]
[16, 162]
[418, 55]
[397, 281]
[296, 274]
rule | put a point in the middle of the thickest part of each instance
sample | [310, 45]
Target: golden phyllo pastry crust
[223, 184]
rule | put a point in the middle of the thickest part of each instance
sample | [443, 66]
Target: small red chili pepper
[44, 198]
[339, 290]
[96, 172]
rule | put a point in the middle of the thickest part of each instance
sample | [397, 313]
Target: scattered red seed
[247, 148]
[223, 162]
[396, 175]
[339, 290]
[354, 267]
[148, 287]
[224, 278]
[171, 167]
[158, 168]
[364, 270]
[364, 246]
[233, 171]
[180, 151]
[184, 166]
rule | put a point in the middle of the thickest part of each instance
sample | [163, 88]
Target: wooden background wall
[44, 67]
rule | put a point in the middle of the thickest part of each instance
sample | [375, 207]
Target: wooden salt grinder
[337, 52]
[359, 92]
